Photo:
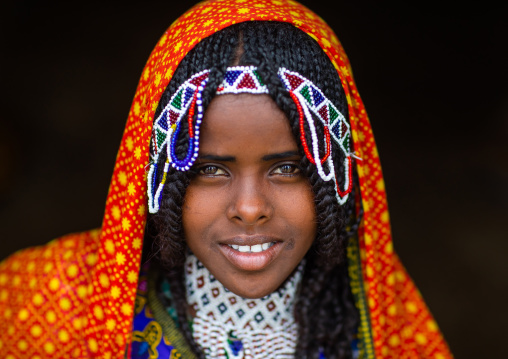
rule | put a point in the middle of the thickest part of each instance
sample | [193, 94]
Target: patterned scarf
[75, 296]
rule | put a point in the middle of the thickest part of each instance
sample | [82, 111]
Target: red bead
[302, 129]
[191, 115]
[349, 184]
[302, 133]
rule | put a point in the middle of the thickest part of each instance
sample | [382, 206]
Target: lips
[252, 253]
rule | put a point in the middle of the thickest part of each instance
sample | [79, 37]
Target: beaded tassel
[193, 148]
[307, 97]
[165, 133]
[246, 79]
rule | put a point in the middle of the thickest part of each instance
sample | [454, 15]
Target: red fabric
[74, 297]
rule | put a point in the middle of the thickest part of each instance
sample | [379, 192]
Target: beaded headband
[245, 79]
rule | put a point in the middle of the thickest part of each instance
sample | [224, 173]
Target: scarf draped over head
[75, 296]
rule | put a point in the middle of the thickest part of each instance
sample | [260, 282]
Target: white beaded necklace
[229, 326]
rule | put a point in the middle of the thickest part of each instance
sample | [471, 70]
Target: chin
[250, 288]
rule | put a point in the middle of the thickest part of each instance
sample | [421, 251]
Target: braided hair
[325, 310]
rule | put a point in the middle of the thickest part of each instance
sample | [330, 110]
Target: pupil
[287, 168]
[210, 170]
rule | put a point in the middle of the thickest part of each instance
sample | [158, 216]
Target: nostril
[249, 216]
[248, 203]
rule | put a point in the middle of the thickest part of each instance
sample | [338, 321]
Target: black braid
[325, 309]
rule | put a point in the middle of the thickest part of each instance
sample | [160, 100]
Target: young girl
[249, 175]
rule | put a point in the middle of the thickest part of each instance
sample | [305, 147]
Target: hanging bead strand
[307, 97]
[193, 148]
[302, 132]
[348, 166]
[315, 149]
[302, 128]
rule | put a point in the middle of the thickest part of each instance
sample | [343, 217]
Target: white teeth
[256, 248]
[252, 249]
[244, 248]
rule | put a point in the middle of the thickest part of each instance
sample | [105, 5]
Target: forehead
[245, 122]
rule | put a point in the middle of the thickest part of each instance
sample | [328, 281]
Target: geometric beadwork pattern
[311, 98]
[246, 79]
[242, 79]
[166, 128]
[323, 108]
[260, 328]
[163, 129]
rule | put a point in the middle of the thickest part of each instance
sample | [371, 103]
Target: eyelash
[295, 170]
[201, 170]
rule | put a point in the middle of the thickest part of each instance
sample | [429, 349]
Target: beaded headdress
[245, 79]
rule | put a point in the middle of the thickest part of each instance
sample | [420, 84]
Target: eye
[287, 169]
[211, 170]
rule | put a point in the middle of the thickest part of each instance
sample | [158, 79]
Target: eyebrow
[270, 157]
[282, 155]
[217, 158]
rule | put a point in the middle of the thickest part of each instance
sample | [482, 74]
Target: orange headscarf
[74, 297]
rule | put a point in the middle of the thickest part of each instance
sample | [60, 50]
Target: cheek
[192, 214]
[200, 209]
[302, 213]
[309, 213]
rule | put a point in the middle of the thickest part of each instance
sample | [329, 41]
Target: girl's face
[249, 213]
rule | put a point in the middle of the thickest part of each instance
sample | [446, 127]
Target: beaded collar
[309, 101]
[229, 326]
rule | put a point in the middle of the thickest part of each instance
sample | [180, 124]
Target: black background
[433, 78]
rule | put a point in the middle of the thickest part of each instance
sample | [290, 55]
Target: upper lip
[251, 240]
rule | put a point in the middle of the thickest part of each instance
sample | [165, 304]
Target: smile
[251, 253]
[252, 249]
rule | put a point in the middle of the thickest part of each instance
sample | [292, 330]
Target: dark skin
[249, 213]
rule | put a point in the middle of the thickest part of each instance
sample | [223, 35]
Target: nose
[250, 204]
